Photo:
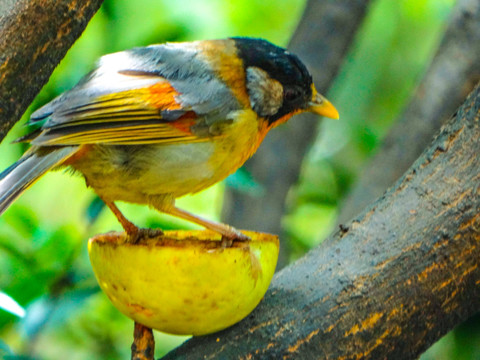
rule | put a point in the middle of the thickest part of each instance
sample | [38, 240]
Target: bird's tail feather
[21, 175]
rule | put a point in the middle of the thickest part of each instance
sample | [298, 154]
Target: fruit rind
[184, 282]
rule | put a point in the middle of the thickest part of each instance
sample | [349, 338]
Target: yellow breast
[240, 141]
[138, 173]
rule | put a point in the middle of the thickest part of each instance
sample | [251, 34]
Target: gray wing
[180, 64]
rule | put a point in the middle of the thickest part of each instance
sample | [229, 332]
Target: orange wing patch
[147, 115]
[185, 122]
[162, 96]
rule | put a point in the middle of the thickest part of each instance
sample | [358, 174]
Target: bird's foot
[137, 235]
[226, 242]
[231, 236]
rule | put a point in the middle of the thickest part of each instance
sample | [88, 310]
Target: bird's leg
[134, 233]
[228, 232]
[129, 227]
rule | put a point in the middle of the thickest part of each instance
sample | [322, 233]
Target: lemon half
[184, 282]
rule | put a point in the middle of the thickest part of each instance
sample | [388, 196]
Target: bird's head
[278, 83]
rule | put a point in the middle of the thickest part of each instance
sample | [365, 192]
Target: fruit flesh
[184, 282]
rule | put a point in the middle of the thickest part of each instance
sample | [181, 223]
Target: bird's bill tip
[321, 106]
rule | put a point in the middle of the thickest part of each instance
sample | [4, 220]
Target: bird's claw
[232, 236]
[135, 237]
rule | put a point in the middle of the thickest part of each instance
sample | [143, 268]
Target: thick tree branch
[321, 40]
[452, 74]
[34, 36]
[390, 283]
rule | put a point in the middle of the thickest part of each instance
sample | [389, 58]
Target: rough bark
[454, 71]
[387, 285]
[143, 346]
[34, 36]
[321, 40]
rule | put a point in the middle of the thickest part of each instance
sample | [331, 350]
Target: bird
[151, 124]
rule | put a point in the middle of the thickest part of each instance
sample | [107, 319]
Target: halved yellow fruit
[184, 282]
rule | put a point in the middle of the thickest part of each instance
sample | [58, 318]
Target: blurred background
[50, 304]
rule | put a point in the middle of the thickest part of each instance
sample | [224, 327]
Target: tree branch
[390, 283]
[143, 346]
[452, 75]
[34, 36]
[321, 40]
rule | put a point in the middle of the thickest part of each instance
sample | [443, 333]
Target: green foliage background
[44, 264]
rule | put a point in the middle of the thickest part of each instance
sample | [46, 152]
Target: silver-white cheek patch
[266, 94]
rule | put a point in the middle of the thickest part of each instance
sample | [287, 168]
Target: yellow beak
[321, 106]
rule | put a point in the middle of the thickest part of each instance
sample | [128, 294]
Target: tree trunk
[387, 285]
[451, 76]
[321, 40]
[34, 36]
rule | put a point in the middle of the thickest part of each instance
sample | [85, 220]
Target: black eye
[291, 94]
